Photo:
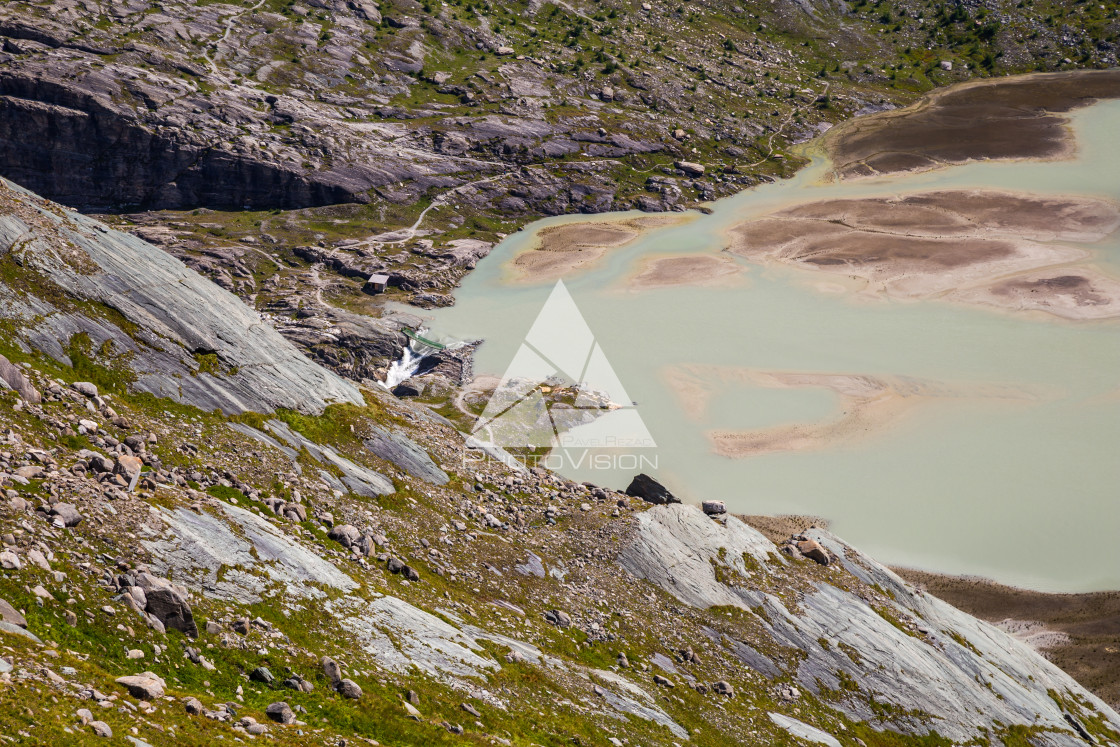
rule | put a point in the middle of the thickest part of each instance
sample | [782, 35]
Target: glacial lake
[1022, 486]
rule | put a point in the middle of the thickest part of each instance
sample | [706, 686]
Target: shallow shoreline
[563, 250]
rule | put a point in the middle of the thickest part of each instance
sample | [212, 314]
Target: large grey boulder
[12, 378]
[66, 514]
[167, 604]
[281, 713]
[10, 614]
[144, 686]
[345, 535]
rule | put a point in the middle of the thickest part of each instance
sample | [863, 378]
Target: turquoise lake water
[1024, 489]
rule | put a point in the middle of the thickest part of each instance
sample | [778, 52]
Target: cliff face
[361, 572]
[78, 147]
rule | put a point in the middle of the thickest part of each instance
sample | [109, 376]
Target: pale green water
[1023, 491]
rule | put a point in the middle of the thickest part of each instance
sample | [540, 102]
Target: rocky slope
[388, 131]
[357, 574]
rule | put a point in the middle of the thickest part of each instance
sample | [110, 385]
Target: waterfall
[403, 368]
[409, 363]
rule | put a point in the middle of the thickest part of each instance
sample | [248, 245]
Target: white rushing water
[1022, 489]
[403, 369]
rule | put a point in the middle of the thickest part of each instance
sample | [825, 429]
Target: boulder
[331, 669]
[714, 508]
[144, 686]
[84, 387]
[10, 614]
[812, 550]
[99, 463]
[262, 675]
[559, 618]
[345, 534]
[127, 466]
[280, 712]
[649, 490]
[168, 606]
[690, 168]
[13, 377]
[101, 729]
[66, 514]
[193, 706]
[348, 689]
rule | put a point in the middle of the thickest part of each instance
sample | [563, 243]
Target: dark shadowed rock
[281, 713]
[348, 689]
[262, 675]
[169, 607]
[649, 490]
[406, 389]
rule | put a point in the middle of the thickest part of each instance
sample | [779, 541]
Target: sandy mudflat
[1073, 293]
[695, 270]
[991, 119]
[977, 246]
[572, 247]
[868, 405]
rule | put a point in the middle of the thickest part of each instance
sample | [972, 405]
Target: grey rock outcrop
[395, 447]
[919, 656]
[202, 543]
[361, 480]
[173, 316]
